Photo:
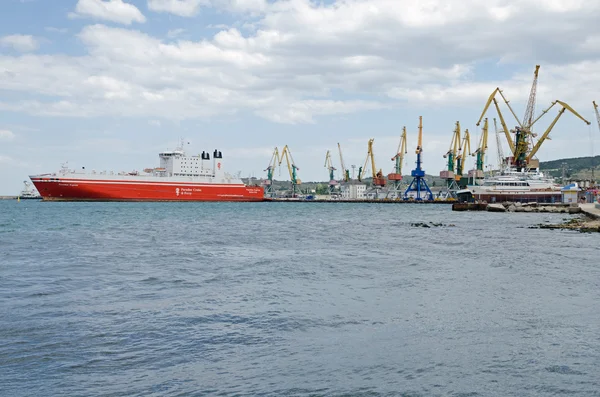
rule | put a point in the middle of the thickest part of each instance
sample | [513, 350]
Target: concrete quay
[591, 209]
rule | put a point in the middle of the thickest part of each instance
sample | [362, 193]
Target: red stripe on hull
[66, 190]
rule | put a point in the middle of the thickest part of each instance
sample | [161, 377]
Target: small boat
[29, 192]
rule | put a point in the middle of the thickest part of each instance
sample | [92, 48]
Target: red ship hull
[69, 189]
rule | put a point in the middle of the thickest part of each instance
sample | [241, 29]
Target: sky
[107, 84]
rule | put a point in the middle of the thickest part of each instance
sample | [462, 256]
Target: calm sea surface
[278, 299]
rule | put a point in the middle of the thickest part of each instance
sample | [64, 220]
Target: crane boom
[378, 179]
[500, 151]
[483, 145]
[396, 176]
[465, 148]
[597, 114]
[530, 110]
[287, 155]
[452, 152]
[272, 164]
[346, 172]
[329, 165]
[547, 132]
[402, 150]
[491, 99]
[269, 190]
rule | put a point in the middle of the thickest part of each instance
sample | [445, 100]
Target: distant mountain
[578, 167]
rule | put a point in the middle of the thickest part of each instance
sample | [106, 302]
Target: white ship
[29, 192]
[513, 185]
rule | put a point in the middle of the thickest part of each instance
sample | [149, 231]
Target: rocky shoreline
[533, 207]
[582, 224]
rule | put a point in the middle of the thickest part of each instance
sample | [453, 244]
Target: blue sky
[107, 84]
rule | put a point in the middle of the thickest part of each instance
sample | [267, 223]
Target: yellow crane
[346, 172]
[269, 191]
[547, 132]
[378, 179]
[287, 154]
[482, 149]
[451, 155]
[419, 183]
[396, 175]
[331, 168]
[464, 148]
[522, 147]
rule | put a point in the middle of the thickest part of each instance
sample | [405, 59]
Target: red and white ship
[179, 178]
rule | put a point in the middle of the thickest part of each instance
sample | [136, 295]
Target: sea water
[294, 299]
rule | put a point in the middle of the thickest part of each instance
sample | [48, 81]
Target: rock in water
[495, 208]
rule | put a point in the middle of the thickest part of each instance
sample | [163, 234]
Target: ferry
[178, 177]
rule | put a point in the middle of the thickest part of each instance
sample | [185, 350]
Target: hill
[577, 167]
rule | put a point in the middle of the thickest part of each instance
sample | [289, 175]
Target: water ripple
[194, 299]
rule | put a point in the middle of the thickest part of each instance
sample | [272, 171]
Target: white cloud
[20, 42]
[6, 135]
[183, 8]
[109, 10]
[174, 33]
[306, 60]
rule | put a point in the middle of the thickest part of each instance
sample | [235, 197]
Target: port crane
[378, 179]
[345, 172]
[522, 147]
[269, 191]
[419, 184]
[396, 176]
[292, 168]
[448, 174]
[465, 147]
[482, 149]
[331, 168]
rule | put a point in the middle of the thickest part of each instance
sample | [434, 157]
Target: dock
[8, 197]
[371, 201]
